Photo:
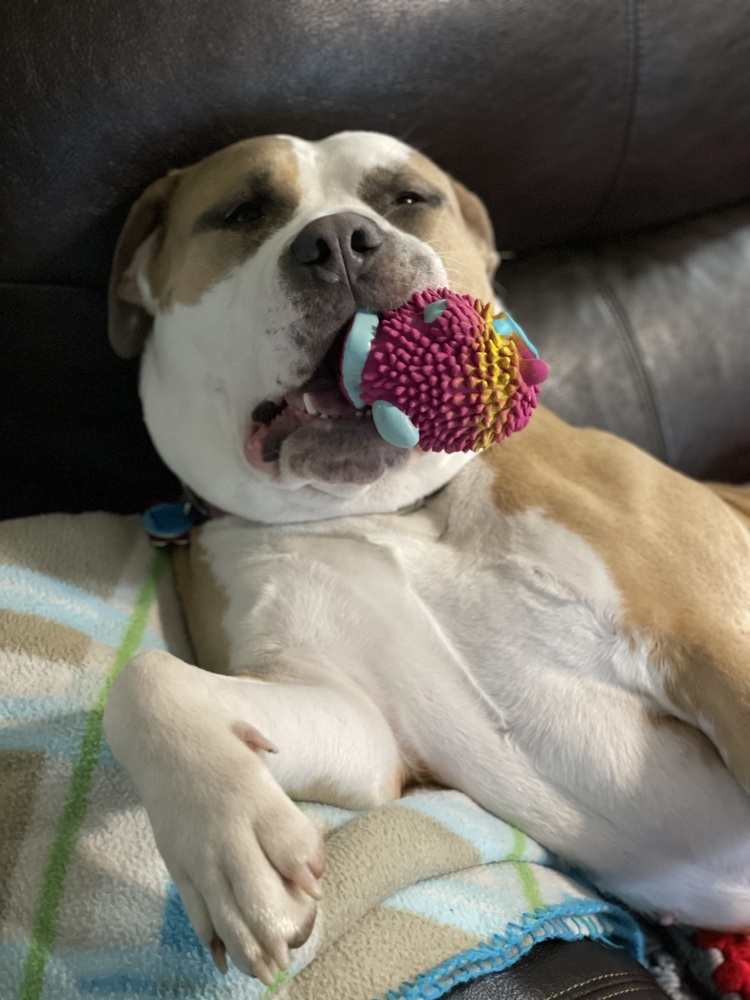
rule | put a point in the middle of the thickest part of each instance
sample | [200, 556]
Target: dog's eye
[410, 198]
[241, 215]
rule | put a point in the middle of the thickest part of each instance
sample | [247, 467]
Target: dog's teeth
[309, 406]
[323, 416]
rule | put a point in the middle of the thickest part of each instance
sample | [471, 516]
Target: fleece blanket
[420, 895]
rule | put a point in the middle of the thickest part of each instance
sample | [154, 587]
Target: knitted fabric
[733, 975]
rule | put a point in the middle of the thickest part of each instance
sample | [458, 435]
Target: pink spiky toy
[442, 372]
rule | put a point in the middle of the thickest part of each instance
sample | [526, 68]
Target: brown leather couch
[611, 142]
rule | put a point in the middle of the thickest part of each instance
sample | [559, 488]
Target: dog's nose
[338, 247]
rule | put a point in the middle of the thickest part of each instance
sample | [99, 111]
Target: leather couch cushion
[648, 338]
[571, 119]
[72, 438]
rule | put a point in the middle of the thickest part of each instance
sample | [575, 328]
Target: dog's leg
[214, 757]
[707, 685]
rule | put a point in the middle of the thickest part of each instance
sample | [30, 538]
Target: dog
[558, 627]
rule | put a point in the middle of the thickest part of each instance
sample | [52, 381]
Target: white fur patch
[570, 565]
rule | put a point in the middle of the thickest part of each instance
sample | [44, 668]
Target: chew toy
[441, 371]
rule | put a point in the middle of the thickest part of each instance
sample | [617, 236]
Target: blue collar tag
[170, 523]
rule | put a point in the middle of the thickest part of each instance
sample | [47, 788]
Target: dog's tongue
[320, 396]
[264, 441]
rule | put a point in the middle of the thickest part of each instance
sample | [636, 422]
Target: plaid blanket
[420, 894]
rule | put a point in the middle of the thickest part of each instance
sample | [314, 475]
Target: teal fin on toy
[435, 310]
[505, 325]
[393, 425]
[356, 348]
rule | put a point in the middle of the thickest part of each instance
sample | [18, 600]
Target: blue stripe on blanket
[458, 902]
[62, 744]
[53, 726]
[121, 985]
[179, 965]
[331, 817]
[485, 832]
[40, 708]
[176, 930]
[148, 970]
[12, 959]
[27, 592]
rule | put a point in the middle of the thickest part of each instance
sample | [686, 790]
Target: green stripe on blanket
[43, 933]
[420, 894]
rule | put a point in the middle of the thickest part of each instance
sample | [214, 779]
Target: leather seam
[622, 993]
[635, 362]
[633, 985]
[588, 982]
[636, 20]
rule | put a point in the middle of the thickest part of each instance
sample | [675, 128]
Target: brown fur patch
[193, 255]
[204, 603]
[677, 552]
[456, 226]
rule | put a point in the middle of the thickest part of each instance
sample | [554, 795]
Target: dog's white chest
[456, 648]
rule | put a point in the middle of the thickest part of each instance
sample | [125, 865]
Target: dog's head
[234, 278]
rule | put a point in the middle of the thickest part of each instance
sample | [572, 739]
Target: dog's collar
[207, 510]
[171, 523]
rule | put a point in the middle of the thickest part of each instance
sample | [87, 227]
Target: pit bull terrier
[559, 627]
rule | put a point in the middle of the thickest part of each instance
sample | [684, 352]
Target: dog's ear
[478, 223]
[130, 318]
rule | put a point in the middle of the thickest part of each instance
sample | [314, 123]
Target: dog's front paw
[244, 857]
